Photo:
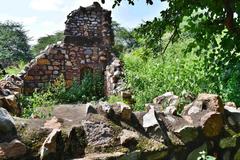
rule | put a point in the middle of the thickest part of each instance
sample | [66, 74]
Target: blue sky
[42, 17]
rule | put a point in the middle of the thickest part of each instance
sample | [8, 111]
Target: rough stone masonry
[87, 47]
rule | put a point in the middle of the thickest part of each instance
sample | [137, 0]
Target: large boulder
[10, 103]
[10, 89]
[151, 125]
[7, 126]
[210, 102]
[184, 130]
[98, 133]
[12, 150]
[206, 112]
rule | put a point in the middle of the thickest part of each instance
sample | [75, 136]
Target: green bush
[174, 71]
[114, 99]
[230, 86]
[89, 89]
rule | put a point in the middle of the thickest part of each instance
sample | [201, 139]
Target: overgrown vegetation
[89, 89]
[174, 71]
[182, 50]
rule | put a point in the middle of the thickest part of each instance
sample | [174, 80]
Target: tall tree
[123, 38]
[13, 43]
[46, 40]
[214, 26]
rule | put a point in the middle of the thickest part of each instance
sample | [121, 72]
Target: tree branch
[169, 41]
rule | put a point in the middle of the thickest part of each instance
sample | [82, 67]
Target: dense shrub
[178, 71]
[173, 71]
[89, 89]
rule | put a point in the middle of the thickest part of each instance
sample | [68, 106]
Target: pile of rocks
[114, 131]
[10, 90]
[114, 77]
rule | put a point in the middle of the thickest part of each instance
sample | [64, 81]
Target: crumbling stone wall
[87, 46]
[44, 68]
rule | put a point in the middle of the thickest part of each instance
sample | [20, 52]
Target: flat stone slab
[102, 156]
[70, 114]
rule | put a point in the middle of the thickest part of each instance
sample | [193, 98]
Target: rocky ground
[104, 131]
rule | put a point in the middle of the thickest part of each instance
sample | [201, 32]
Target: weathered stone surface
[98, 133]
[167, 99]
[212, 124]
[210, 102]
[170, 110]
[10, 89]
[7, 126]
[14, 149]
[102, 156]
[231, 104]
[184, 130]
[77, 130]
[10, 103]
[123, 111]
[105, 109]
[149, 119]
[151, 125]
[90, 109]
[128, 138]
[70, 114]
[114, 81]
[54, 123]
[42, 61]
[53, 146]
[76, 142]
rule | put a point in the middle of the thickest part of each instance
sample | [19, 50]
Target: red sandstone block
[43, 61]
[48, 72]
[28, 78]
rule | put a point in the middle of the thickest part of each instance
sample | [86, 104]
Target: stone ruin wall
[87, 46]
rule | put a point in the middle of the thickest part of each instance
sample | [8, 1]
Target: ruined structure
[87, 47]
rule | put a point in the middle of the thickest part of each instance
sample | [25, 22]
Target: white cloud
[46, 5]
[24, 20]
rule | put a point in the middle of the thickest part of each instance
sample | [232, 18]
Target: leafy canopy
[213, 25]
[46, 40]
[123, 38]
[13, 43]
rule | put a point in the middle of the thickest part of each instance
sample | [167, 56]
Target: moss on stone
[145, 144]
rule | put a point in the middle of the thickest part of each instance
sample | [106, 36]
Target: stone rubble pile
[114, 131]
[10, 90]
